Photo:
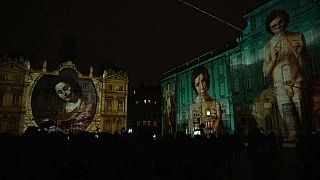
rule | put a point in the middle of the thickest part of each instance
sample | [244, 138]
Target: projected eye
[65, 88]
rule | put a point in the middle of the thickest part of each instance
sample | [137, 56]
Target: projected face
[277, 25]
[201, 84]
[64, 91]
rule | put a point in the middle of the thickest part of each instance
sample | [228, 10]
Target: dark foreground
[40, 155]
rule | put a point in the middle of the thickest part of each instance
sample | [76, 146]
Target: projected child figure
[285, 53]
[204, 112]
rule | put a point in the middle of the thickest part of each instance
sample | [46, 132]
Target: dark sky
[145, 37]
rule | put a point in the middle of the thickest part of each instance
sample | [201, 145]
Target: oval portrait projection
[64, 102]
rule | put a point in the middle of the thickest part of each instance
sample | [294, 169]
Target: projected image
[285, 55]
[169, 111]
[205, 111]
[64, 103]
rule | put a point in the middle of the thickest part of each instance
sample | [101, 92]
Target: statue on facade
[26, 63]
[44, 66]
[91, 71]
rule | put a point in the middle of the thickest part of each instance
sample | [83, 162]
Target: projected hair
[274, 14]
[75, 87]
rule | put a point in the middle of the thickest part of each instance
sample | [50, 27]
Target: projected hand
[275, 52]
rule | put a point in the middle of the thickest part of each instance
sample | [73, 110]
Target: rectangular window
[84, 86]
[317, 119]
[222, 89]
[108, 123]
[236, 85]
[261, 54]
[235, 61]
[183, 97]
[249, 82]
[120, 105]
[108, 105]
[309, 36]
[15, 99]
[220, 70]
[18, 79]
[238, 108]
[209, 124]
[93, 97]
[2, 77]
[246, 58]
[13, 123]
[1, 98]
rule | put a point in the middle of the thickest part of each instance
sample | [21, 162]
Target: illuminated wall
[13, 80]
[64, 98]
[248, 100]
[184, 96]
[47, 105]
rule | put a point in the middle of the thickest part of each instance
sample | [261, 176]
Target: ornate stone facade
[19, 108]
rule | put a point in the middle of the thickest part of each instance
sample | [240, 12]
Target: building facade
[31, 97]
[114, 99]
[237, 80]
[144, 110]
[13, 82]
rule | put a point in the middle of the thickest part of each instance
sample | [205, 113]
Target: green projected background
[267, 78]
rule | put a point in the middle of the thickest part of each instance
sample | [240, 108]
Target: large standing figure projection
[205, 112]
[284, 56]
[169, 111]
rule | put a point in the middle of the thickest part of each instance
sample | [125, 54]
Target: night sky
[146, 38]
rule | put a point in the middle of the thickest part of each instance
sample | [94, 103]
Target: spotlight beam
[215, 17]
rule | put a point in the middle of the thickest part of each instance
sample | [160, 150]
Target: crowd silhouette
[38, 154]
